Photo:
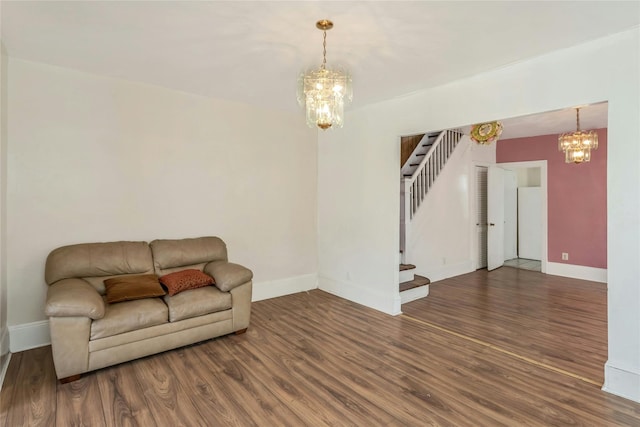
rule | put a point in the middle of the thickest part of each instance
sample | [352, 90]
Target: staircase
[424, 174]
[418, 175]
[412, 286]
[418, 154]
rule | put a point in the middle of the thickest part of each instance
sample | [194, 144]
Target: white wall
[4, 334]
[99, 159]
[434, 244]
[442, 230]
[528, 177]
[358, 204]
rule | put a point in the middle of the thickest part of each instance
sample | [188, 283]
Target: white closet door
[495, 215]
[530, 223]
[510, 215]
[481, 216]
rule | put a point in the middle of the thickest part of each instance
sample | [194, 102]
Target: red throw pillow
[185, 280]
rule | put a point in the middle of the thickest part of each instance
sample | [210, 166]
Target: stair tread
[404, 267]
[415, 283]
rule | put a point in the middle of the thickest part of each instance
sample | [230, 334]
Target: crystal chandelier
[577, 145]
[324, 91]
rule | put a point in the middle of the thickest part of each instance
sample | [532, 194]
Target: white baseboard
[577, 272]
[387, 303]
[29, 335]
[278, 288]
[445, 271]
[621, 382]
[414, 294]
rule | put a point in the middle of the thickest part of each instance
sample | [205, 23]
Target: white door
[481, 216]
[510, 215]
[495, 217]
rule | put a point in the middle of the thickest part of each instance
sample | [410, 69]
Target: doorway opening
[511, 215]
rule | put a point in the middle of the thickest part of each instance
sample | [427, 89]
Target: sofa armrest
[74, 298]
[227, 274]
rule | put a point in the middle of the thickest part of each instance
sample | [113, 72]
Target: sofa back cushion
[95, 262]
[170, 256]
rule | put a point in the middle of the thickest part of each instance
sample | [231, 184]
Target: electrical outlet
[565, 256]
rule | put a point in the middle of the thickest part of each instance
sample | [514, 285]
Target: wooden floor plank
[76, 403]
[207, 391]
[313, 359]
[166, 399]
[240, 386]
[34, 392]
[122, 398]
[9, 386]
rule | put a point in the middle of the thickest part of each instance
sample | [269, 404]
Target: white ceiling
[593, 116]
[253, 51]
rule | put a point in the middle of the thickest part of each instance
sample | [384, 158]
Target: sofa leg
[241, 331]
[70, 379]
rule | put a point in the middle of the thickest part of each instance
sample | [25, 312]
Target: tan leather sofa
[87, 333]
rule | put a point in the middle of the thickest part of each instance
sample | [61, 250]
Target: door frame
[542, 164]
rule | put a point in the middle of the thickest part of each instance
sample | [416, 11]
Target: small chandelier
[323, 91]
[577, 145]
[486, 133]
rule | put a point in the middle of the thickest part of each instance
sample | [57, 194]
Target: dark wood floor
[312, 359]
[552, 320]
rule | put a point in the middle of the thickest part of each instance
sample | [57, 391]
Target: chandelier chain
[577, 119]
[324, 50]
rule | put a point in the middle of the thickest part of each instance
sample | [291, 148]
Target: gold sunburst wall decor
[486, 133]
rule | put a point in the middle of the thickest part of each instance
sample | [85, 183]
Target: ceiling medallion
[486, 133]
[323, 91]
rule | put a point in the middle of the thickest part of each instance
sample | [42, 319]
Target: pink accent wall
[577, 197]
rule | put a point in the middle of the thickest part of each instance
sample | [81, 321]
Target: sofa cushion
[128, 316]
[98, 259]
[185, 280]
[197, 302]
[128, 288]
[169, 255]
